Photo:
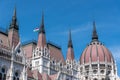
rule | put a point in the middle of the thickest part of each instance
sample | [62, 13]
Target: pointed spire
[14, 15]
[41, 36]
[14, 21]
[70, 52]
[70, 40]
[42, 30]
[94, 35]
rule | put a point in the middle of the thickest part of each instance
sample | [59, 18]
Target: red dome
[94, 52]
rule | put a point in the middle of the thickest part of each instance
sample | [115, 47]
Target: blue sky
[62, 15]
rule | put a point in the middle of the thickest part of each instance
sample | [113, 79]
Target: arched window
[3, 70]
[60, 64]
[102, 71]
[86, 77]
[0, 76]
[16, 76]
[95, 79]
[103, 79]
[3, 74]
[1, 41]
[108, 78]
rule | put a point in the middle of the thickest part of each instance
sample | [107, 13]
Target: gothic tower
[13, 33]
[40, 58]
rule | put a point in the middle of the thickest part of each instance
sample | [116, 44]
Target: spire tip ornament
[94, 35]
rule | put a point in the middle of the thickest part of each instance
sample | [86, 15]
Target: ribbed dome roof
[96, 51]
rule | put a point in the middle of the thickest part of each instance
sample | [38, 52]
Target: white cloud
[81, 28]
[115, 52]
[78, 29]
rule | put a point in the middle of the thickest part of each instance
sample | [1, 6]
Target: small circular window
[108, 72]
[94, 71]
[102, 71]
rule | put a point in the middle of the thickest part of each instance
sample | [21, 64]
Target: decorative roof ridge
[3, 31]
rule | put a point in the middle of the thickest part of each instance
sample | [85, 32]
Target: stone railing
[5, 52]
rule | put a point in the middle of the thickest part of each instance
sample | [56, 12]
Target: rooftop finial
[14, 15]
[94, 35]
[70, 40]
[42, 30]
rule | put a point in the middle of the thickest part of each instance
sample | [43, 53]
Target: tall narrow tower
[13, 33]
[40, 56]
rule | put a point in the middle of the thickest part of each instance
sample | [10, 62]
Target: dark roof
[3, 31]
[35, 42]
[53, 44]
[29, 42]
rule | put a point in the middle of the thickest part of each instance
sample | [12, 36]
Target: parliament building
[42, 60]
